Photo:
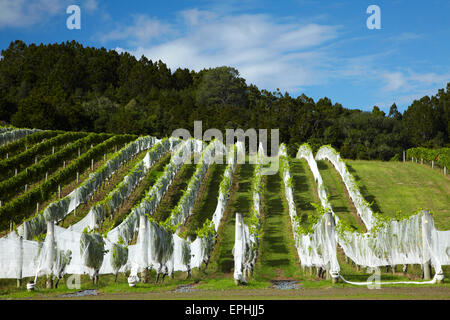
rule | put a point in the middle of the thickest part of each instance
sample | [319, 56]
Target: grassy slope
[275, 222]
[340, 200]
[277, 255]
[304, 187]
[394, 186]
[240, 201]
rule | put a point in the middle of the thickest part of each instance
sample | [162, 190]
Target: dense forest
[70, 87]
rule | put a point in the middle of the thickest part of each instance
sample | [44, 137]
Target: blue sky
[320, 48]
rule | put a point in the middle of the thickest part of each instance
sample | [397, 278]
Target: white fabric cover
[8, 136]
[58, 210]
[319, 247]
[245, 250]
[123, 190]
[410, 241]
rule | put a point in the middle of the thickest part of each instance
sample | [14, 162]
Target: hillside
[125, 182]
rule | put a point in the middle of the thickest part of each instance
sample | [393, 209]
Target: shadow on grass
[363, 189]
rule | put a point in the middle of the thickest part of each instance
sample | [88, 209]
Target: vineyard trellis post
[51, 252]
[426, 240]
[238, 274]
[19, 278]
[330, 227]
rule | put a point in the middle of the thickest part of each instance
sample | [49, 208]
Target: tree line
[70, 87]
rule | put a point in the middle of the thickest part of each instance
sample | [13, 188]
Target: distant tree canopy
[70, 87]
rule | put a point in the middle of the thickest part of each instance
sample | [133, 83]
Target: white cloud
[193, 17]
[279, 53]
[141, 31]
[403, 87]
[90, 5]
[406, 36]
[394, 81]
[267, 53]
[22, 13]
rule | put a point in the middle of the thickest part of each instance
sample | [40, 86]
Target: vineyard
[145, 212]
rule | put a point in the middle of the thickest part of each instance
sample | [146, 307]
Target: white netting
[148, 205]
[245, 250]
[393, 242]
[5, 129]
[202, 247]
[123, 190]
[185, 205]
[414, 240]
[362, 206]
[15, 134]
[58, 210]
[225, 185]
[17, 257]
[317, 248]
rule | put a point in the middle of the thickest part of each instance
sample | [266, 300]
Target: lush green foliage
[27, 157]
[11, 186]
[440, 156]
[29, 140]
[75, 88]
[20, 207]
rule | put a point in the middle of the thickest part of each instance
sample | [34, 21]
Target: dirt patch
[185, 289]
[427, 293]
[83, 293]
[285, 285]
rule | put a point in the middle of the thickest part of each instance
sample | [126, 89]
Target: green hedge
[27, 157]
[13, 185]
[19, 145]
[440, 156]
[18, 209]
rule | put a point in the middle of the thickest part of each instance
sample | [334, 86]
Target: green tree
[222, 87]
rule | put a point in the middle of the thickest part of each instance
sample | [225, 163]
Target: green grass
[304, 188]
[391, 185]
[277, 256]
[338, 196]
[240, 201]
[394, 186]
